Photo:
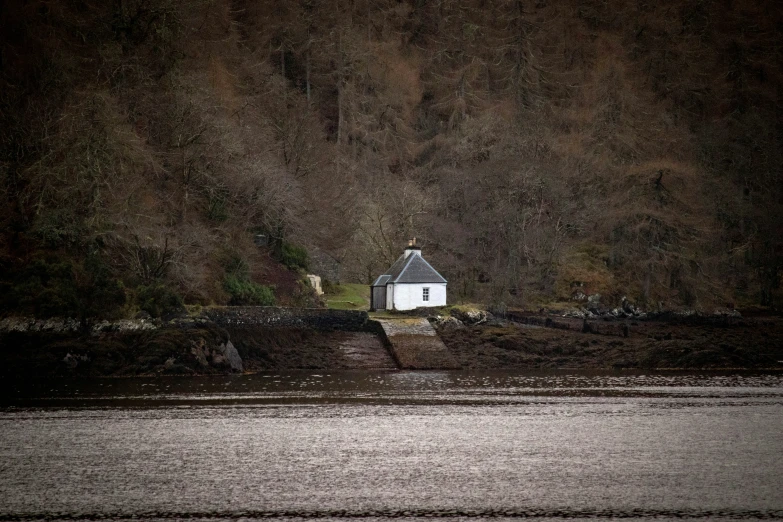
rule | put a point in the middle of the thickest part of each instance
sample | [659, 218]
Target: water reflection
[452, 387]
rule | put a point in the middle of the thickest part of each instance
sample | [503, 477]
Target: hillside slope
[538, 150]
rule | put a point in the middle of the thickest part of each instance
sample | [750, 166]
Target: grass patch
[349, 296]
[463, 307]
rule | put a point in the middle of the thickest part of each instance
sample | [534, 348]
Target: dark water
[409, 445]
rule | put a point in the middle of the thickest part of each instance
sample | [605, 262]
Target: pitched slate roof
[411, 269]
[382, 280]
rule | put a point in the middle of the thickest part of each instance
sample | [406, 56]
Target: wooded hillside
[538, 150]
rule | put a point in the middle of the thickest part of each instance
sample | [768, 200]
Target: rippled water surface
[410, 445]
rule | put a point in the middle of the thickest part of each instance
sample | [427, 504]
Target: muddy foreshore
[203, 347]
[674, 343]
[199, 349]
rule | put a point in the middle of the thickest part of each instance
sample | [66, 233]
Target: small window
[425, 294]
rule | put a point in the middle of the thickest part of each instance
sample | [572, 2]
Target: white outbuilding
[409, 283]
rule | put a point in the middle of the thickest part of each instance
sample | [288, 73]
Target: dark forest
[540, 151]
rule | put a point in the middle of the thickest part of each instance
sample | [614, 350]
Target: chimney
[412, 248]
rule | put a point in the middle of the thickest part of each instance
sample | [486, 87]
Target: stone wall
[277, 317]
[59, 325]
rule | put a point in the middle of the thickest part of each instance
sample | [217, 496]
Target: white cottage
[409, 283]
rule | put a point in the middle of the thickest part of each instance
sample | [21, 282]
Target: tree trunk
[307, 75]
[282, 67]
[339, 89]
[186, 181]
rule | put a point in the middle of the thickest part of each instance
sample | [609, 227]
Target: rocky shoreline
[216, 341]
[235, 340]
[667, 340]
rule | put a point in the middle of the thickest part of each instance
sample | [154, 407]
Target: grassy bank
[348, 296]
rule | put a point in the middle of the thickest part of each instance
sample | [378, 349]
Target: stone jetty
[415, 345]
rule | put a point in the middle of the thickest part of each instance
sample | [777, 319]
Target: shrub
[59, 228]
[236, 266]
[241, 290]
[217, 207]
[100, 293]
[157, 299]
[293, 256]
[45, 289]
[51, 287]
[245, 292]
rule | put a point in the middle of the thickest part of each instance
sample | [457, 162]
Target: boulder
[618, 312]
[630, 309]
[447, 323]
[578, 296]
[473, 316]
[199, 350]
[72, 361]
[231, 356]
[579, 313]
